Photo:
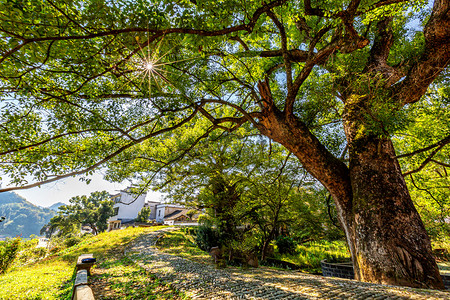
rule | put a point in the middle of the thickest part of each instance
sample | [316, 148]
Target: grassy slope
[182, 244]
[308, 255]
[115, 275]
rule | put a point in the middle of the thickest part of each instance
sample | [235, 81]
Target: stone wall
[345, 270]
[340, 270]
[446, 279]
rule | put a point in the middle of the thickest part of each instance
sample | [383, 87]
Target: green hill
[56, 206]
[22, 217]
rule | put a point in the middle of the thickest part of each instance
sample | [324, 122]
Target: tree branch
[442, 142]
[106, 158]
[433, 60]
[157, 33]
[426, 161]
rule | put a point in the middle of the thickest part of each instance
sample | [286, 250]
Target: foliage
[144, 214]
[72, 241]
[63, 82]
[441, 249]
[22, 217]
[8, 253]
[121, 80]
[307, 255]
[313, 216]
[285, 244]
[207, 237]
[427, 170]
[93, 211]
[29, 252]
[236, 183]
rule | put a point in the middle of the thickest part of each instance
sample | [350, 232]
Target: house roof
[175, 214]
[178, 213]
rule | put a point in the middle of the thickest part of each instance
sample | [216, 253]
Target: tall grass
[308, 255]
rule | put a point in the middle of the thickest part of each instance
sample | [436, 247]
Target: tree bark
[385, 234]
[391, 244]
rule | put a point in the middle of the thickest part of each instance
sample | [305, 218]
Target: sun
[152, 66]
[149, 66]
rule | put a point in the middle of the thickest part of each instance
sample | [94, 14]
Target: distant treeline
[22, 217]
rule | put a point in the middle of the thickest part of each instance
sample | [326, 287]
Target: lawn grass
[183, 245]
[52, 277]
[120, 278]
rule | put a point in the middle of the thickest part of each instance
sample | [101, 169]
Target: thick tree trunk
[390, 242]
[385, 234]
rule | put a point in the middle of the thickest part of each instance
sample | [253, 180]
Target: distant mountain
[56, 206]
[22, 217]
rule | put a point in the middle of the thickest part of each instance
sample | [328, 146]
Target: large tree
[86, 83]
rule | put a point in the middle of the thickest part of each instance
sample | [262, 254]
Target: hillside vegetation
[22, 217]
[52, 277]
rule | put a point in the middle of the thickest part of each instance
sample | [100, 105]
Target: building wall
[152, 206]
[160, 213]
[130, 211]
[165, 209]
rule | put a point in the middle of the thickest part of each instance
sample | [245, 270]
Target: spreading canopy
[86, 83]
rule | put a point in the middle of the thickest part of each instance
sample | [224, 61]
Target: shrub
[143, 215]
[207, 237]
[8, 252]
[285, 244]
[204, 219]
[72, 241]
[191, 231]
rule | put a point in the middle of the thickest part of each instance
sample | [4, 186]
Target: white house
[128, 205]
[164, 210]
[153, 205]
[126, 208]
[171, 214]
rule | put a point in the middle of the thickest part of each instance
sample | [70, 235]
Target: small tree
[191, 213]
[93, 211]
[8, 252]
[144, 214]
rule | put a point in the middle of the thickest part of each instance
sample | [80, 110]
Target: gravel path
[201, 281]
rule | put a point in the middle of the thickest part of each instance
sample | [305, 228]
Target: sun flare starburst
[151, 66]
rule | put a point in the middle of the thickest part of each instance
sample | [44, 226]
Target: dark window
[116, 211]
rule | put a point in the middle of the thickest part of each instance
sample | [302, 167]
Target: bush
[29, 255]
[285, 244]
[143, 215]
[72, 241]
[207, 237]
[8, 252]
[192, 231]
